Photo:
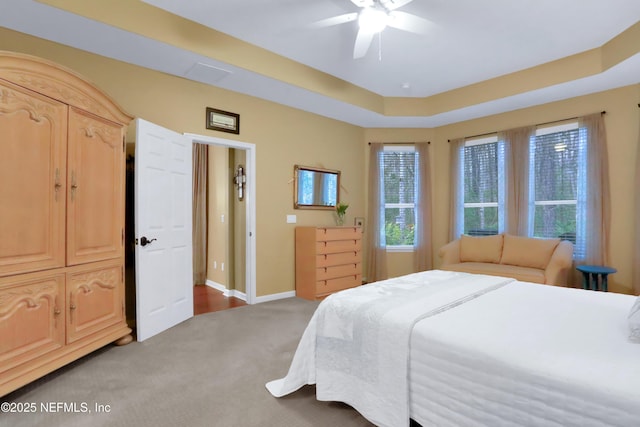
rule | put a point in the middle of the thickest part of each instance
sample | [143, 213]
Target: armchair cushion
[528, 252]
[481, 249]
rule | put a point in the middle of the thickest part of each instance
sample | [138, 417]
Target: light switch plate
[291, 219]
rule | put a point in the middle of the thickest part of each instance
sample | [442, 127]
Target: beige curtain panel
[377, 251]
[516, 148]
[598, 208]
[200, 178]
[456, 207]
[423, 252]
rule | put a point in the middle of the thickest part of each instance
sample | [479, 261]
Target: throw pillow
[634, 322]
[481, 249]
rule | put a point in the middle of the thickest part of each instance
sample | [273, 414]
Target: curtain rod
[539, 124]
[402, 143]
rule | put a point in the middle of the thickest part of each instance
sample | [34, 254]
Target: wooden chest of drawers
[328, 259]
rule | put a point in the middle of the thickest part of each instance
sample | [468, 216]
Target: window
[556, 181]
[560, 167]
[482, 160]
[399, 165]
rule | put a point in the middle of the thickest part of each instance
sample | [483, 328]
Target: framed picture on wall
[224, 121]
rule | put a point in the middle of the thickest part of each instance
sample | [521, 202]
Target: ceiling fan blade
[408, 22]
[393, 4]
[363, 41]
[364, 3]
[335, 20]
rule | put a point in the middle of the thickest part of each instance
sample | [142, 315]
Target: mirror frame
[297, 205]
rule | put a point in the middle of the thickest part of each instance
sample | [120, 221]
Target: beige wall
[226, 220]
[284, 137]
[239, 225]
[219, 216]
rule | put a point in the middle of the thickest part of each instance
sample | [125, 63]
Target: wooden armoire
[62, 172]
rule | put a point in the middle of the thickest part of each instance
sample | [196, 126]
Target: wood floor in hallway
[207, 299]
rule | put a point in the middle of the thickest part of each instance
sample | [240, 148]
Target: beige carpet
[208, 371]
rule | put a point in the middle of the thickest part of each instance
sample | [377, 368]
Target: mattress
[528, 355]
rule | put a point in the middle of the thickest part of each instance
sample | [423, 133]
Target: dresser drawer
[335, 285]
[338, 233]
[335, 246]
[325, 273]
[339, 258]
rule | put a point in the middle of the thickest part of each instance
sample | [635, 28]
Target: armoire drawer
[342, 233]
[339, 284]
[335, 246]
[333, 272]
[339, 258]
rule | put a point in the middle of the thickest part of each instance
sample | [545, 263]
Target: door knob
[144, 241]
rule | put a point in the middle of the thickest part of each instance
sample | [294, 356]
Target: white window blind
[556, 155]
[481, 186]
[399, 165]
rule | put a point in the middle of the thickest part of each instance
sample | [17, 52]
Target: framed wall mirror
[315, 188]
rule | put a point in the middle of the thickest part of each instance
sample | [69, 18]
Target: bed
[449, 348]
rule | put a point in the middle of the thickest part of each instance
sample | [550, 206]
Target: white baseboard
[243, 296]
[215, 285]
[273, 297]
[226, 292]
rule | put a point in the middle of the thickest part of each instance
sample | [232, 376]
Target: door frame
[250, 205]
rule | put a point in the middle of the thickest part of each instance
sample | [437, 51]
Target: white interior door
[163, 222]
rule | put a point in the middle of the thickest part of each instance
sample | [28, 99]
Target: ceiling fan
[375, 16]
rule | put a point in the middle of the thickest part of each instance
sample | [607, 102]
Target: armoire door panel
[95, 199]
[94, 301]
[31, 317]
[33, 129]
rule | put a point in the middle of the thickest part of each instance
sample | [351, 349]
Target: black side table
[595, 276]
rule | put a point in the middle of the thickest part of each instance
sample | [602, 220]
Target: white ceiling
[468, 41]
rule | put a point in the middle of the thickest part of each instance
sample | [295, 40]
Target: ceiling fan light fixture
[372, 20]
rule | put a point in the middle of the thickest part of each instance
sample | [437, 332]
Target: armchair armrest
[561, 262]
[450, 253]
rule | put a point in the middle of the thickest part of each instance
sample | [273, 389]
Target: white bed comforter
[356, 346]
[528, 355]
